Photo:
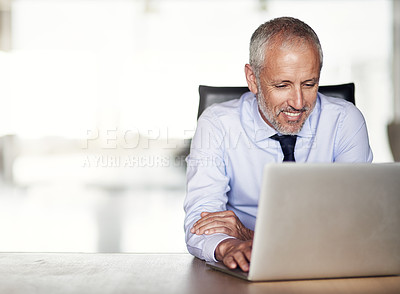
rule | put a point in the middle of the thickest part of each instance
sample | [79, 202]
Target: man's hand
[225, 222]
[234, 253]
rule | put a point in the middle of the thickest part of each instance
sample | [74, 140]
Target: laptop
[325, 221]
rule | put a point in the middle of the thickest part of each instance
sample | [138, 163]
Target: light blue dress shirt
[231, 146]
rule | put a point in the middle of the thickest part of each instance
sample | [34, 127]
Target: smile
[292, 114]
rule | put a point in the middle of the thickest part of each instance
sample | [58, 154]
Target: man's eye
[309, 85]
[280, 86]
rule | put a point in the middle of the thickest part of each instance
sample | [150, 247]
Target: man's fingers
[210, 216]
[235, 253]
[237, 259]
[212, 228]
[242, 261]
[247, 253]
[226, 213]
[230, 262]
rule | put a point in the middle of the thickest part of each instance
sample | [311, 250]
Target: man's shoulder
[339, 108]
[333, 103]
[230, 109]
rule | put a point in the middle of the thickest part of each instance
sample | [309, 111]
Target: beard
[289, 127]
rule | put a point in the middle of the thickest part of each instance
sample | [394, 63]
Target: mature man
[283, 118]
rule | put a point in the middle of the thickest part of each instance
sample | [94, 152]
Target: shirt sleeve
[352, 144]
[207, 184]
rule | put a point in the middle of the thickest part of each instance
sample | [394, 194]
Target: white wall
[81, 65]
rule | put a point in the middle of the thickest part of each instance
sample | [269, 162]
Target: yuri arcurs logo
[130, 161]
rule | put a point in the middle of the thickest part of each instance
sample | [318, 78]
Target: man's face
[287, 87]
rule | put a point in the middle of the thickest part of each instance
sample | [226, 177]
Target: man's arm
[207, 183]
[207, 187]
[225, 222]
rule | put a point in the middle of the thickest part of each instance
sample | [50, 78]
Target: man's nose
[297, 98]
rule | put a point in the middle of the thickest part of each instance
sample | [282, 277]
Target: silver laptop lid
[327, 220]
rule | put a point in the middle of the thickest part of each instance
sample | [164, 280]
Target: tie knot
[287, 144]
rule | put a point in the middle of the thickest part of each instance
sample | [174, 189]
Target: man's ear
[251, 78]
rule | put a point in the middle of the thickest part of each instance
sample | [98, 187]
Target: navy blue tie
[287, 144]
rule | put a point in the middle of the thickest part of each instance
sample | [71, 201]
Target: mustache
[292, 109]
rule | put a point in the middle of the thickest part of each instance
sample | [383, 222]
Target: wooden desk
[152, 273]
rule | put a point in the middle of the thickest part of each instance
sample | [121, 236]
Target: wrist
[245, 234]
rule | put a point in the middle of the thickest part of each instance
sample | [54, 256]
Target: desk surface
[152, 273]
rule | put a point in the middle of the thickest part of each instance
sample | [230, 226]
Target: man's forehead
[306, 80]
[282, 63]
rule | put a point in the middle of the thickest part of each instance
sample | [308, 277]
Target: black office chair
[210, 95]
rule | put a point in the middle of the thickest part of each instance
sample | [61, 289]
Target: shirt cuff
[211, 244]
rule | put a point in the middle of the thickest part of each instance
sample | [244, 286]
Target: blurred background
[99, 102]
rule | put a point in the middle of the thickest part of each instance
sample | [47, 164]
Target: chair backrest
[210, 95]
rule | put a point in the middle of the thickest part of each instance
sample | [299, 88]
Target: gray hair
[285, 31]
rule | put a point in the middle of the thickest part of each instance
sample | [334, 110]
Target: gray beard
[271, 117]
